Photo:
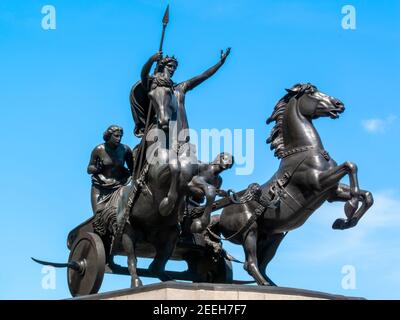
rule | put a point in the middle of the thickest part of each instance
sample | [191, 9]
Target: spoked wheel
[88, 259]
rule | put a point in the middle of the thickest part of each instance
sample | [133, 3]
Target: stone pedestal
[208, 291]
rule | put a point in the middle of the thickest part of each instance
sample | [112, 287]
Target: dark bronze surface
[88, 253]
[147, 202]
[306, 178]
[107, 167]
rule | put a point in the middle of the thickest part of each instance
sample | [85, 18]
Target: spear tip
[166, 16]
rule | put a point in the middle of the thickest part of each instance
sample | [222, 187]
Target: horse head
[313, 103]
[293, 115]
[162, 99]
[162, 92]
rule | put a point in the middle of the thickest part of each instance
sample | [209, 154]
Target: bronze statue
[148, 210]
[306, 178]
[107, 167]
[154, 212]
[153, 207]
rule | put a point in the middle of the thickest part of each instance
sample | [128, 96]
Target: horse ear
[309, 87]
[295, 89]
[291, 91]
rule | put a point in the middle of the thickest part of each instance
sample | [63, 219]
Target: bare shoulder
[99, 149]
[181, 87]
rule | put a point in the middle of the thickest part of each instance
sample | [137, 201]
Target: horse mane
[275, 138]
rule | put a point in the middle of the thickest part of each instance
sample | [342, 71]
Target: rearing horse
[306, 178]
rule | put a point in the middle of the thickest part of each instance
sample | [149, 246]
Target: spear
[138, 168]
[165, 21]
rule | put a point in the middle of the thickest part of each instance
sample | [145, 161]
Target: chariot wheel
[88, 259]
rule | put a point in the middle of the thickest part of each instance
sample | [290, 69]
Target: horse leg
[128, 243]
[266, 250]
[165, 244]
[331, 177]
[169, 202]
[128, 237]
[250, 251]
[343, 193]
[199, 224]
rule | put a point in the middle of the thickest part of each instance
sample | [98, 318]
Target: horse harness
[276, 193]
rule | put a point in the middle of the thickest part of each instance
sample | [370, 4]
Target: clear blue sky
[59, 90]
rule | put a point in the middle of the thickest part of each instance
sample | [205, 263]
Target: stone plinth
[207, 291]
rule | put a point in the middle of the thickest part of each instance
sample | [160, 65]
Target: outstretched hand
[225, 54]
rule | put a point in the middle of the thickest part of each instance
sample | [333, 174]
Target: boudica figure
[168, 101]
[162, 79]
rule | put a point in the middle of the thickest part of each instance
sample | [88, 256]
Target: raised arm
[194, 82]
[147, 67]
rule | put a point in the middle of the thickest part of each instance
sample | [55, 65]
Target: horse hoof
[270, 282]
[350, 207]
[161, 275]
[339, 224]
[351, 223]
[136, 282]
[265, 283]
[164, 277]
[165, 207]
